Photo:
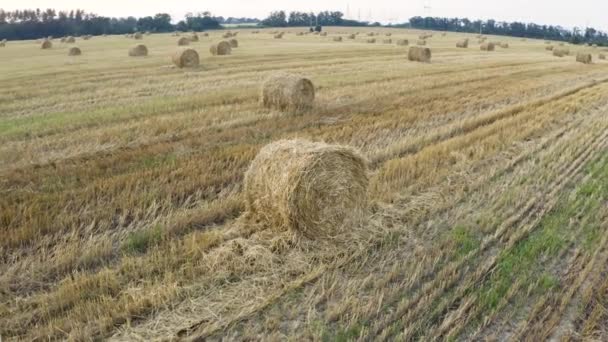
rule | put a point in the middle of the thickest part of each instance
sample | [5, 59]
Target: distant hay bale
[403, 42]
[602, 56]
[371, 41]
[74, 51]
[585, 58]
[561, 52]
[419, 54]
[205, 34]
[233, 43]
[287, 92]
[86, 37]
[138, 35]
[138, 50]
[2, 44]
[300, 34]
[186, 58]
[62, 40]
[370, 34]
[549, 47]
[504, 45]
[46, 44]
[337, 39]
[388, 34]
[222, 48]
[421, 42]
[561, 44]
[227, 35]
[547, 42]
[176, 34]
[444, 34]
[183, 41]
[463, 44]
[313, 189]
[387, 41]
[489, 46]
[278, 35]
[70, 40]
[352, 36]
[323, 34]
[194, 38]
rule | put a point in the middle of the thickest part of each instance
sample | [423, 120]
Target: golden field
[121, 206]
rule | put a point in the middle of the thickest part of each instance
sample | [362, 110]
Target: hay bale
[371, 41]
[337, 39]
[183, 41]
[138, 50]
[62, 40]
[549, 47]
[138, 36]
[504, 45]
[186, 58]
[233, 43]
[352, 36]
[2, 44]
[487, 46]
[70, 40]
[560, 52]
[278, 35]
[87, 37]
[205, 34]
[46, 44]
[403, 42]
[323, 34]
[287, 92]
[602, 56]
[463, 44]
[388, 34]
[222, 48]
[194, 38]
[313, 189]
[419, 54]
[387, 41]
[584, 58]
[227, 35]
[421, 42]
[74, 51]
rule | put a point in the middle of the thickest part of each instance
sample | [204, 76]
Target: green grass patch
[140, 241]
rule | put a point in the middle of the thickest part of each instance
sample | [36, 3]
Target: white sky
[566, 13]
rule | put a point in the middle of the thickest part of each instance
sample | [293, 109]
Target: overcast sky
[567, 13]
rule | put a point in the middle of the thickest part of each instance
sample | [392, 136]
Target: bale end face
[312, 189]
[221, 49]
[584, 58]
[287, 92]
[186, 58]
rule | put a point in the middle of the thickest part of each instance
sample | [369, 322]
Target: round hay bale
[487, 46]
[62, 40]
[46, 44]
[463, 44]
[352, 36]
[194, 38]
[74, 51]
[205, 34]
[227, 35]
[419, 54]
[287, 92]
[70, 40]
[2, 44]
[602, 56]
[309, 188]
[560, 52]
[337, 39]
[421, 42]
[403, 42]
[183, 41]
[387, 41]
[323, 34]
[504, 45]
[221, 49]
[138, 50]
[87, 37]
[371, 41]
[234, 43]
[388, 34]
[584, 58]
[186, 58]
[138, 36]
[278, 36]
[549, 47]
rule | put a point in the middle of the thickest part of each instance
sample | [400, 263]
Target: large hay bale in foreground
[561, 52]
[74, 51]
[287, 92]
[403, 42]
[221, 49]
[489, 46]
[312, 189]
[183, 41]
[233, 43]
[585, 58]
[46, 44]
[138, 50]
[186, 58]
[463, 44]
[419, 54]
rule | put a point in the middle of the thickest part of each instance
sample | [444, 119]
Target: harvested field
[123, 213]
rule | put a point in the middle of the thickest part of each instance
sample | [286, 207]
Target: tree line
[33, 24]
[515, 29]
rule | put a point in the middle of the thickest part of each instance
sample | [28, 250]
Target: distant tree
[276, 19]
